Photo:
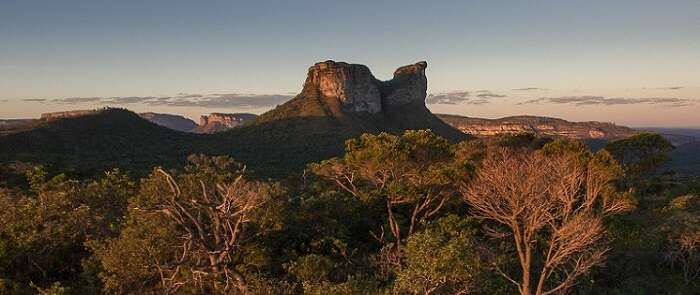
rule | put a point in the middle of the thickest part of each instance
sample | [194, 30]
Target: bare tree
[211, 229]
[552, 206]
[685, 253]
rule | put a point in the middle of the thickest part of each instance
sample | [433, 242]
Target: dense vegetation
[394, 214]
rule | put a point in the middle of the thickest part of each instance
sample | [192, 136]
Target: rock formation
[348, 99]
[408, 86]
[348, 86]
[216, 122]
[352, 88]
[542, 126]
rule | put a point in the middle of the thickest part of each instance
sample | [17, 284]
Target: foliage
[45, 230]
[641, 152]
[391, 215]
[444, 258]
[413, 176]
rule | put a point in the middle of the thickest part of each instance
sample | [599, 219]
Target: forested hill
[90, 143]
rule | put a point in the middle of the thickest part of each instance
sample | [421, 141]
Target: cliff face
[409, 86]
[216, 122]
[352, 88]
[538, 125]
[228, 120]
[344, 87]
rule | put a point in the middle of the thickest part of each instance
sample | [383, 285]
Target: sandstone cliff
[542, 126]
[216, 122]
[228, 120]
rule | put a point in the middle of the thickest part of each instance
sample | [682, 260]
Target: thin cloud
[228, 100]
[529, 89]
[601, 100]
[127, 99]
[670, 88]
[75, 100]
[187, 95]
[489, 95]
[480, 97]
[35, 100]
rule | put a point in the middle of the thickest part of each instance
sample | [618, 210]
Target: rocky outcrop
[348, 86]
[352, 88]
[68, 114]
[228, 120]
[408, 86]
[216, 122]
[542, 126]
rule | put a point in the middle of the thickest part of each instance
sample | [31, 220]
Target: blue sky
[636, 50]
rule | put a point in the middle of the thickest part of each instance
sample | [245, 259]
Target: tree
[414, 171]
[640, 153]
[444, 258]
[188, 232]
[43, 232]
[683, 233]
[552, 207]
[211, 227]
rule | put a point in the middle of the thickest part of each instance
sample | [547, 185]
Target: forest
[395, 214]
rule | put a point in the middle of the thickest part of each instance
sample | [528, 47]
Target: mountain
[338, 101]
[217, 122]
[349, 97]
[677, 136]
[174, 122]
[542, 126]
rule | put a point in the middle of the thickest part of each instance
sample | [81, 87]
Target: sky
[634, 63]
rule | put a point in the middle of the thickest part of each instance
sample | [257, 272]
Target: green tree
[44, 233]
[640, 153]
[444, 258]
[412, 176]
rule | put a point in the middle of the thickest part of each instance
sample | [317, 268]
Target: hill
[89, 143]
[677, 136]
[174, 122]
